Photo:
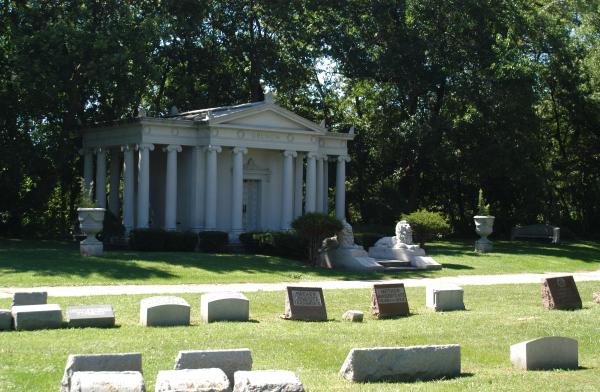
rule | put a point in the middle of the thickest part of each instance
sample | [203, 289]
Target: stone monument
[560, 293]
[389, 300]
[305, 303]
[400, 249]
[341, 252]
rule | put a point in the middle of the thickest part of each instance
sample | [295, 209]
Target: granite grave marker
[389, 300]
[305, 303]
[560, 293]
[99, 316]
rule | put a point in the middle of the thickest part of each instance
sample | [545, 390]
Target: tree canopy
[446, 97]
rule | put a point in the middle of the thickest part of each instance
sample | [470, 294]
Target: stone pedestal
[91, 248]
[483, 245]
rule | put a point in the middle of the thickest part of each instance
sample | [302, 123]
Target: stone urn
[484, 226]
[91, 222]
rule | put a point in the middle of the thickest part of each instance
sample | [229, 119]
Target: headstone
[6, 320]
[444, 297]
[402, 363]
[164, 311]
[389, 300]
[29, 317]
[230, 361]
[107, 382]
[126, 362]
[305, 303]
[192, 380]
[560, 293]
[99, 316]
[356, 316]
[551, 352]
[596, 297]
[224, 307]
[267, 381]
[30, 298]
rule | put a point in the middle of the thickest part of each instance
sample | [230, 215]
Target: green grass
[496, 317]
[52, 263]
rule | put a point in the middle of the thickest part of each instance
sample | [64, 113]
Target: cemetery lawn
[25, 263]
[496, 317]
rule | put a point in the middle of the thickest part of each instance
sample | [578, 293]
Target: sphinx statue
[340, 251]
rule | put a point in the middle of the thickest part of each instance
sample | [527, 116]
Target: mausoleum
[250, 167]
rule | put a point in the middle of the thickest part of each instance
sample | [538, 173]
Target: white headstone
[414, 362]
[30, 298]
[230, 361]
[5, 320]
[107, 382]
[28, 317]
[267, 381]
[164, 311]
[444, 297]
[125, 362]
[192, 380]
[551, 352]
[224, 307]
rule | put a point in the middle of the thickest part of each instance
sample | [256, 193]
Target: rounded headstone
[164, 311]
[224, 307]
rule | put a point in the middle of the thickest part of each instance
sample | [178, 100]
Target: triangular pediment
[270, 117]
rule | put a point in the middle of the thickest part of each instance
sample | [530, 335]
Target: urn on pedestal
[484, 225]
[91, 222]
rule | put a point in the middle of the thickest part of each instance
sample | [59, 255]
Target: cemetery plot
[560, 293]
[305, 303]
[389, 300]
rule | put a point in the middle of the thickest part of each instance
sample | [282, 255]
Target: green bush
[314, 227]
[212, 241]
[251, 244]
[112, 228]
[427, 225]
[277, 243]
[147, 239]
[181, 241]
[483, 208]
[367, 240]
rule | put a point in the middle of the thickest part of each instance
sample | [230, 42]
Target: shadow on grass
[412, 379]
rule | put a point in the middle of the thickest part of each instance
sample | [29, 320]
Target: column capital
[289, 153]
[127, 147]
[144, 146]
[312, 155]
[172, 147]
[239, 150]
[343, 158]
[211, 147]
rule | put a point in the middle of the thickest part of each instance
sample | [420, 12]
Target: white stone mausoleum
[251, 167]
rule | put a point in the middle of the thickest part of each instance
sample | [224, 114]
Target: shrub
[277, 243]
[314, 227]
[427, 225]
[147, 239]
[482, 207]
[112, 228]
[251, 244]
[182, 241]
[212, 241]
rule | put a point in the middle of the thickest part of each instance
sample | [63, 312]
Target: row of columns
[315, 200]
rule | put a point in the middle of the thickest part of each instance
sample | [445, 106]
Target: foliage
[276, 243]
[482, 207]
[212, 241]
[181, 241]
[86, 200]
[427, 225]
[367, 239]
[112, 228]
[147, 239]
[314, 227]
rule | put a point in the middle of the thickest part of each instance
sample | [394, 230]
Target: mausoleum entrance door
[251, 206]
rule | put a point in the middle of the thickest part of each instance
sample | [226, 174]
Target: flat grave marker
[389, 300]
[560, 293]
[305, 303]
[99, 316]
[21, 298]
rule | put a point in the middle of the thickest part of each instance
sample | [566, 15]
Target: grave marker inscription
[99, 316]
[305, 303]
[389, 300]
[560, 293]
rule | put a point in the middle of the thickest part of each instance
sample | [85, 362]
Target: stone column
[101, 177]
[287, 204]
[311, 183]
[171, 187]
[340, 188]
[88, 170]
[210, 211]
[115, 181]
[143, 194]
[298, 182]
[319, 199]
[237, 189]
[197, 187]
[325, 209]
[128, 188]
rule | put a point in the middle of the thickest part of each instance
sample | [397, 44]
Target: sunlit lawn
[52, 263]
[496, 317]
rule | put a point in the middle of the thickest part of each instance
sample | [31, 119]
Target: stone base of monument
[91, 248]
[352, 259]
[483, 245]
[397, 259]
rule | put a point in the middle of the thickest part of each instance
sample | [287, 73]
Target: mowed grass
[496, 317]
[52, 263]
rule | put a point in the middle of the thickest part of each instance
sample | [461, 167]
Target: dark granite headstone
[99, 316]
[305, 303]
[560, 293]
[389, 300]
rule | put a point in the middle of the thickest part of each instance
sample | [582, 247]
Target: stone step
[393, 263]
[397, 269]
